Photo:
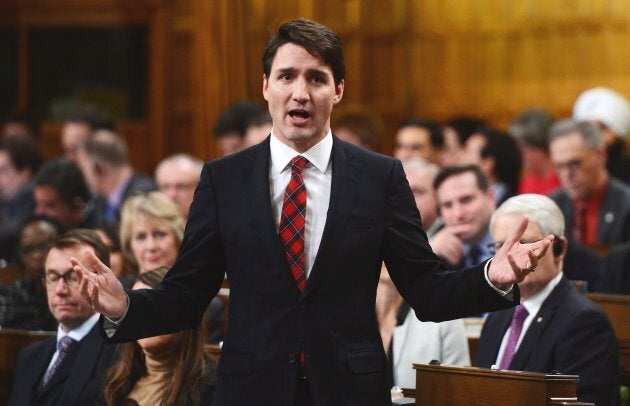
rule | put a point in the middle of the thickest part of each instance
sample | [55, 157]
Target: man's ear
[559, 246]
[265, 87]
[339, 91]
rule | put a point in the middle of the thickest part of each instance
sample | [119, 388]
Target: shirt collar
[318, 155]
[80, 332]
[534, 303]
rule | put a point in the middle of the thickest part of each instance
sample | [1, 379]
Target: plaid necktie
[516, 327]
[63, 347]
[293, 220]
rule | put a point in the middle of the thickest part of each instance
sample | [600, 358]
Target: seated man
[615, 277]
[555, 328]
[68, 369]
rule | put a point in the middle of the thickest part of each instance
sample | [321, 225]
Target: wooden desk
[11, 342]
[450, 385]
[617, 307]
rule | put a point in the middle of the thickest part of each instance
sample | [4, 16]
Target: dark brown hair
[316, 38]
[191, 370]
[82, 236]
[450, 171]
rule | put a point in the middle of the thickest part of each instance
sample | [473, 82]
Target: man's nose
[300, 90]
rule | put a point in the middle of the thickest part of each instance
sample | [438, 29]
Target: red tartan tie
[293, 221]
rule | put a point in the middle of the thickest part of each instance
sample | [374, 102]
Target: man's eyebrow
[57, 272]
[286, 70]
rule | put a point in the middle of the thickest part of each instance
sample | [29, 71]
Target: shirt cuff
[111, 325]
[505, 293]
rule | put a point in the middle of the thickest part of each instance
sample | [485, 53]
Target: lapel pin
[609, 217]
[539, 319]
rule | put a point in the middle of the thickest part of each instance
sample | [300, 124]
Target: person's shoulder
[362, 154]
[37, 349]
[618, 187]
[560, 194]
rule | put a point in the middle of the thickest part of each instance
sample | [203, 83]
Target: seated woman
[25, 305]
[172, 369]
[408, 340]
[151, 231]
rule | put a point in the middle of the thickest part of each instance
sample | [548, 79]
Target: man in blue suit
[304, 331]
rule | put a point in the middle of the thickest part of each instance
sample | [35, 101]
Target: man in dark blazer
[104, 160]
[563, 331]
[286, 343]
[43, 375]
[579, 155]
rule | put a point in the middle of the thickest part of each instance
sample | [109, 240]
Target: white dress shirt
[317, 179]
[77, 334]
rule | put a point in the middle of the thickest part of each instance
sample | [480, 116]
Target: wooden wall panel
[486, 58]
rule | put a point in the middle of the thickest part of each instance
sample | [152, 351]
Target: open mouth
[299, 115]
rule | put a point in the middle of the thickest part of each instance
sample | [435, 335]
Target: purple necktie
[518, 318]
[63, 347]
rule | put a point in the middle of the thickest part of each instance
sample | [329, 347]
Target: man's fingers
[541, 247]
[95, 264]
[518, 233]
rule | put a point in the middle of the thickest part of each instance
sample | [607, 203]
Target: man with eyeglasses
[68, 369]
[177, 177]
[596, 206]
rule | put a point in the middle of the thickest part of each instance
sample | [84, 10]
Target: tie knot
[65, 343]
[520, 313]
[298, 164]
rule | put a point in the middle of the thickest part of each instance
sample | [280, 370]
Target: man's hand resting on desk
[100, 287]
[514, 259]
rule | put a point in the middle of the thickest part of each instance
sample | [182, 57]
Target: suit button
[292, 358]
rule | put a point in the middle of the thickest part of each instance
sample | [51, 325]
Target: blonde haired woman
[151, 231]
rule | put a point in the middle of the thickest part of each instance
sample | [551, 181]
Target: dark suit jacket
[614, 216]
[372, 217]
[615, 275]
[571, 335]
[138, 183]
[77, 382]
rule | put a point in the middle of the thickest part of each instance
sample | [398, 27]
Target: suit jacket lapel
[342, 195]
[500, 323]
[84, 364]
[256, 192]
[542, 319]
[40, 364]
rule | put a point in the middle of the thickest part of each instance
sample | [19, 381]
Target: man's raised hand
[100, 287]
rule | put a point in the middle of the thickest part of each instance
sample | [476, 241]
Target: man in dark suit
[104, 160]
[555, 328]
[596, 206]
[466, 204]
[68, 369]
[302, 327]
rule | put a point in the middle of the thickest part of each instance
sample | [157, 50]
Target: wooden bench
[617, 307]
[9, 274]
[11, 342]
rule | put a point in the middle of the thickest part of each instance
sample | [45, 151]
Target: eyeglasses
[571, 166]
[179, 187]
[70, 278]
